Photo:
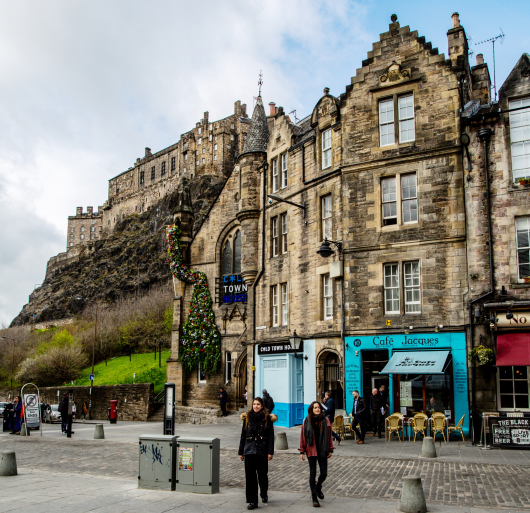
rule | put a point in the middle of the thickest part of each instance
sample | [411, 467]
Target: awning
[513, 349]
[416, 362]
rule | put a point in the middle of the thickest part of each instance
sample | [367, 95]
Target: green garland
[201, 339]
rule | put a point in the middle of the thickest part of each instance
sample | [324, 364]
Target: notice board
[510, 432]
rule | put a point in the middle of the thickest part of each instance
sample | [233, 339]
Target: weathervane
[260, 82]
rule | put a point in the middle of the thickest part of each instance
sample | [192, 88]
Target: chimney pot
[480, 58]
[147, 152]
[456, 21]
[272, 107]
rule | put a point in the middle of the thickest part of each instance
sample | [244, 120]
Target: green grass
[119, 371]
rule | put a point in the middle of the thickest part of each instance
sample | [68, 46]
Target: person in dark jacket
[316, 443]
[63, 409]
[267, 400]
[18, 418]
[377, 410]
[223, 399]
[256, 449]
[329, 412]
[358, 413]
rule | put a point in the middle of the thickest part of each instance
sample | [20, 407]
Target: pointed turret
[258, 134]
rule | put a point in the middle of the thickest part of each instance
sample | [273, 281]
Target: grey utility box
[198, 461]
[156, 463]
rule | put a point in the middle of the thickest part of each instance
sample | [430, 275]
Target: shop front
[424, 372]
[288, 377]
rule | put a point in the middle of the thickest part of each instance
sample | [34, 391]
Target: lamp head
[509, 315]
[325, 249]
[295, 341]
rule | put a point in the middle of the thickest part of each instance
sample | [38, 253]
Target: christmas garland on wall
[201, 339]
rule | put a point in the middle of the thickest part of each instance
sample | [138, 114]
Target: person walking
[329, 412]
[267, 400]
[17, 416]
[377, 411]
[359, 410]
[63, 409]
[256, 449]
[84, 410]
[223, 399]
[317, 444]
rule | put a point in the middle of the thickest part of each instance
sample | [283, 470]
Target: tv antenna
[293, 112]
[492, 40]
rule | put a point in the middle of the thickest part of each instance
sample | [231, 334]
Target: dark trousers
[64, 422]
[223, 409]
[256, 468]
[359, 421]
[377, 422]
[323, 464]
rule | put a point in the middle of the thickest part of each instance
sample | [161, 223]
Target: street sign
[91, 377]
[31, 404]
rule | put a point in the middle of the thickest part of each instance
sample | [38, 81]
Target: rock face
[129, 260]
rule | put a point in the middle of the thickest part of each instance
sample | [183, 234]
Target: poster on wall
[510, 432]
[405, 393]
[186, 458]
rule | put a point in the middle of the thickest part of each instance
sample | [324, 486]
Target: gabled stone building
[378, 171]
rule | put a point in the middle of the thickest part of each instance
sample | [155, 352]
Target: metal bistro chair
[420, 422]
[438, 425]
[459, 428]
[394, 424]
[338, 426]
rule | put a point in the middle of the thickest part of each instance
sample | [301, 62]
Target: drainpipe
[484, 135]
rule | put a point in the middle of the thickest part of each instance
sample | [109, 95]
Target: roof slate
[258, 133]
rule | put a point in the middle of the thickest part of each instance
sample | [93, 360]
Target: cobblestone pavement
[451, 483]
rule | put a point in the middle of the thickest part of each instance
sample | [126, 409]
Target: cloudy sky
[85, 86]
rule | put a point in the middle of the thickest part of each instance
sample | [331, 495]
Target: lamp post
[295, 341]
[325, 250]
[12, 363]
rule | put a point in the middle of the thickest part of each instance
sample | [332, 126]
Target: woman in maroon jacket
[316, 443]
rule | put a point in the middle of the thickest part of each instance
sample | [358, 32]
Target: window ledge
[520, 285]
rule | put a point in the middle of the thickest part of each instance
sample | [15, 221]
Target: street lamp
[295, 341]
[12, 363]
[325, 249]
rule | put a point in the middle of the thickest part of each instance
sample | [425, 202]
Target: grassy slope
[120, 371]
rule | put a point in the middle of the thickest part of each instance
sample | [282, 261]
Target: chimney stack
[480, 59]
[456, 21]
[272, 107]
[147, 152]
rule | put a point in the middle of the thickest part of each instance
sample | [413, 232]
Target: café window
[513, 388]
[522, 226]
[232, 255]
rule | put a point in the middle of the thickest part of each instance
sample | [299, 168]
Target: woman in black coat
[256, 449]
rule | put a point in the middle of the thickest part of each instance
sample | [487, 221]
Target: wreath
[201, 339]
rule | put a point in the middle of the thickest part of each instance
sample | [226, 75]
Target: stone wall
[135, 402]
[190, 415]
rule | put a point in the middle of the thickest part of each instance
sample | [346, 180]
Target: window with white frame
[326, 217]
[92, 236]
[228, 366]
[200, 140]
[283, 219]
[215, 157]
[409, 198]
[203, 161]
[215, 147]
[196, 162]
[275, 239]
[389, 200]
[411, 276]
[284, 169]
[326, 148]
[406, 118]
[284, 304]
[513, 388]
[201, 375]
[210, 137]
[185, 156]
[231, 137]
[391, 288]
[71, 244]
[275, 180]
[211, 126]
[520, 138]
[275, 306]
[204, 151]
[327, 293]
[522, 227]
[82, 236]
[386, 122]
[200, 130]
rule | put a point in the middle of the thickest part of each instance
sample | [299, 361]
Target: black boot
[252, 505]
[316, 504]
[320, 495]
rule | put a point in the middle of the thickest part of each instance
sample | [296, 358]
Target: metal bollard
[281, 441]
[8, 464]
[98, 433]
[428, 450]
[412, 497]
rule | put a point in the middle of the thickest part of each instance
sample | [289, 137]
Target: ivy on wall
[201, 339]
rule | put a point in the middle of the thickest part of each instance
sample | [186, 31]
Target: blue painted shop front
[290, 381]
[443, 388]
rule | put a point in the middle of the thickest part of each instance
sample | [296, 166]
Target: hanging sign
[231, 289]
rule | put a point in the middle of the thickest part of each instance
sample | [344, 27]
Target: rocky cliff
[126, 262]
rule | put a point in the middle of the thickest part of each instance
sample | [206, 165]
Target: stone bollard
[412, 498]
[98, 433]
[24, 431]
[281, 441]
[8, 464]
[427, 448]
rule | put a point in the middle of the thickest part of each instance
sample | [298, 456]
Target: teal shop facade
[366, 357]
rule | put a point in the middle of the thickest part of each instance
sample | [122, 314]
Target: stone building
[84, 226]
[379, 172]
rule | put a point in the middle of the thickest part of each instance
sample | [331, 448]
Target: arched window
[232, 257]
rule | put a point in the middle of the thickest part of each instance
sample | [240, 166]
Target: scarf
[322, 442]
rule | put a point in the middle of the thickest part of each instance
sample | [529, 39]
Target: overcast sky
[85, 86]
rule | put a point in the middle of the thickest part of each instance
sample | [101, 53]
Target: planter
[481, 355]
